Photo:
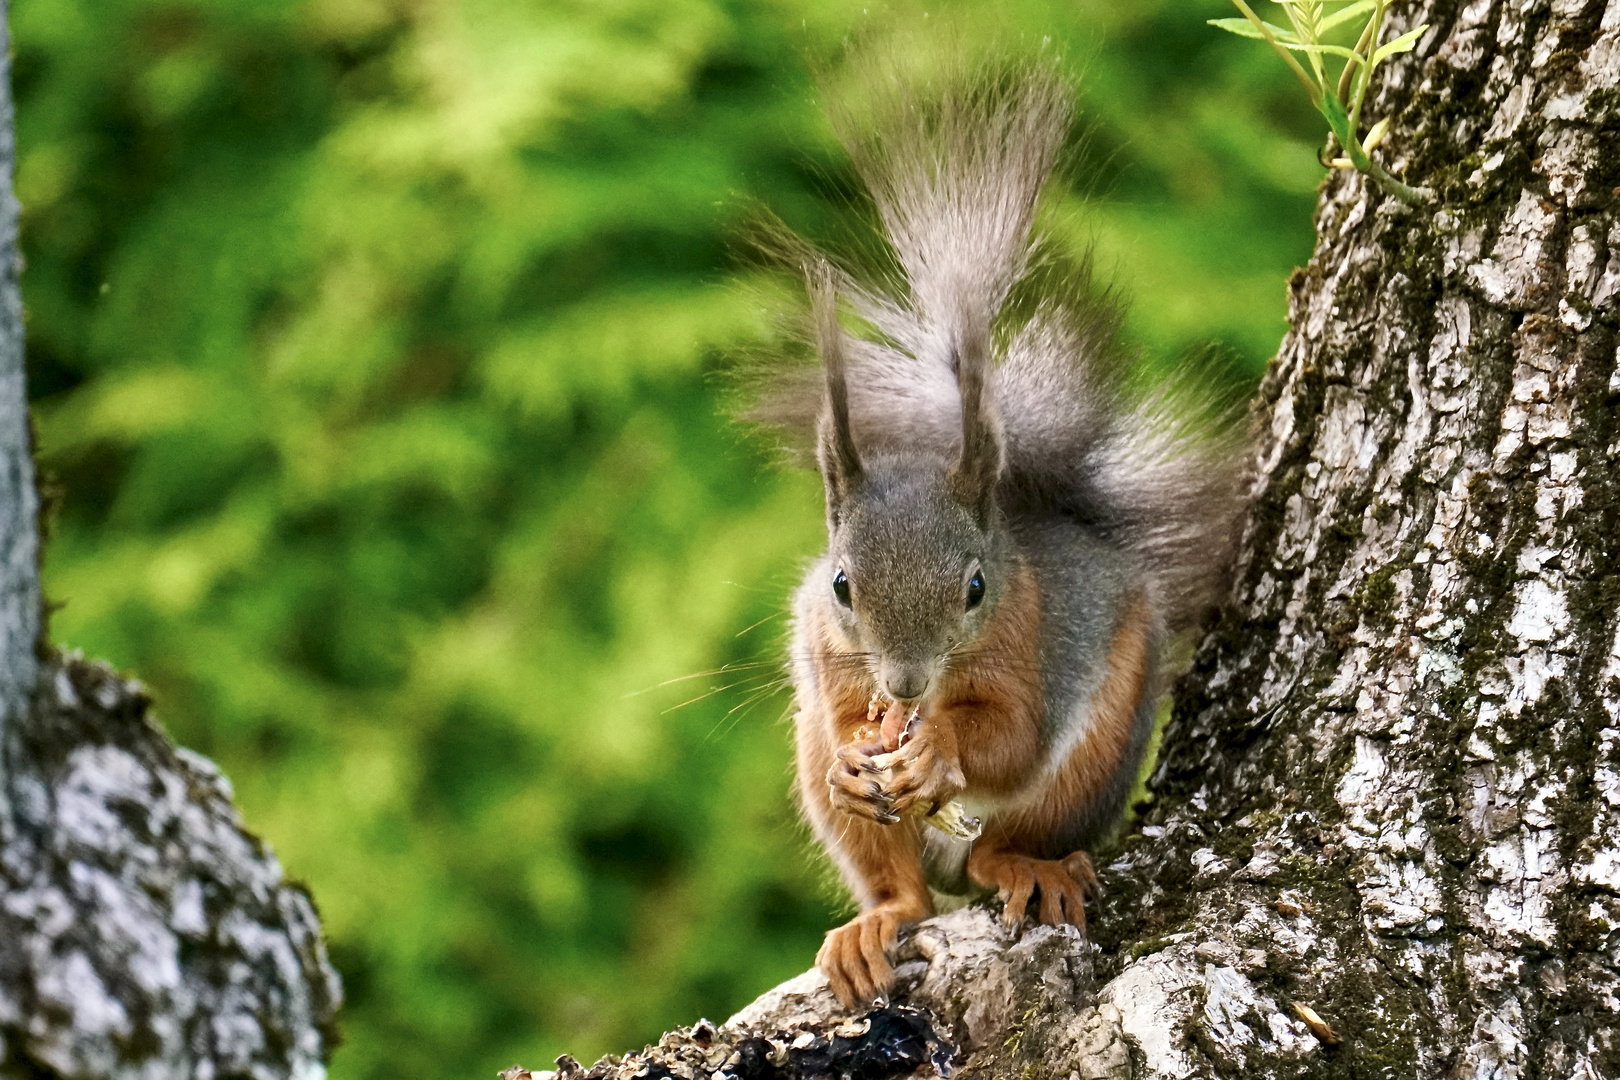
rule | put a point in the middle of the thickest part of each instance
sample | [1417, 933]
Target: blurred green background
[374, 344]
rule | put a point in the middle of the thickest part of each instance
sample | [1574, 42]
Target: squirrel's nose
[905, 685]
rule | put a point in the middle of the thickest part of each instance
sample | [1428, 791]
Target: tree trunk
[19, 500]
[1385, 839]
[143, 932]
[1410, 729]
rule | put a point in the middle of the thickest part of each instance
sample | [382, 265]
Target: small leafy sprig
[1338, 99]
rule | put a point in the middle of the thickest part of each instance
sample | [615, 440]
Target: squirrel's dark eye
[841, 587]
[975, 590]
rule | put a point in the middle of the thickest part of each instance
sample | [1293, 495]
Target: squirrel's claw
[858, 757]
[853, 789]
[1018, 894]
[1078, 865]
[919, 777]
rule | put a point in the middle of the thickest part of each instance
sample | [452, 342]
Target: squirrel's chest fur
[1026, 698]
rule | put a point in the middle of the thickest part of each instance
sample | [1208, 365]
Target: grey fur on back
[955, 158]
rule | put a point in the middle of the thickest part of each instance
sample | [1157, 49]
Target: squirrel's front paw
[855, 957]
[918, 776]
[856, 787]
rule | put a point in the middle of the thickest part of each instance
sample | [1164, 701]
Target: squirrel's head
[917, 546]
[914, 572]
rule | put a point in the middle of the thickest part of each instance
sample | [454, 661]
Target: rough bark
[19, 540]
[1385, 838]
[143, 932]
[973, 1001]
[1411, 734]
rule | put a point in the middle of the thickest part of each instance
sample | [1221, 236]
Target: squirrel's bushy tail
[955, 154]
[954, 161]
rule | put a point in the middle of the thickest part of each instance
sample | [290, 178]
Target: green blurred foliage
[374, 345]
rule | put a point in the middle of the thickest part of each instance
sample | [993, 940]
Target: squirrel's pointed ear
[835, 443]
[974, 476]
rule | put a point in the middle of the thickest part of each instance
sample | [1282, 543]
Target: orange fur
[1015, 855]
[1095, 760]
[990, 702]
[982, 736]
[882, 863]
[985, 732]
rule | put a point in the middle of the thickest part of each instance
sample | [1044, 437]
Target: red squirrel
[1014, 532]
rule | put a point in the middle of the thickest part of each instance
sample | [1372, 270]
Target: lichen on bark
[144, 933]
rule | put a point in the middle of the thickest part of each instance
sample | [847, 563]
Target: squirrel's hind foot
[1063, 885]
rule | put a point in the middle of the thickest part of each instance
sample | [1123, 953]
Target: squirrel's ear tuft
[974, 476]
[835, 443]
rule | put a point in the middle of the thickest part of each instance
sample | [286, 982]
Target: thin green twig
[1340, 101]
[1411, 196]
[1288, 58]
[1375, 26]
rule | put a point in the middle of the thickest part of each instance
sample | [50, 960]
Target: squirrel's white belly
[986, 807]
[983, 807]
